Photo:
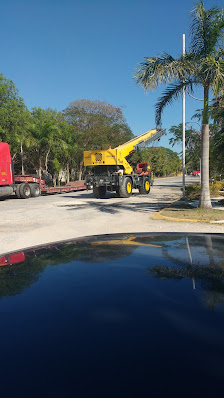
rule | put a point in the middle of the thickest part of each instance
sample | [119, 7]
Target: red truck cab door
[6, 174]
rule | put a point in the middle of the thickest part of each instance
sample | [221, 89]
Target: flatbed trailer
[44, 189]
[74, 186]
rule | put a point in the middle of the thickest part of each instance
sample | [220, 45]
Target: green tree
[192, 144]
[47, 137]
[14, 117]
[202, 66]
[217, 143]
[95, 125]
[163, 161]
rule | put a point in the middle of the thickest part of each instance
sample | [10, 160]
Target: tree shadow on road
[113, 208]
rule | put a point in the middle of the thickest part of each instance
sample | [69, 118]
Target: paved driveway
[26, 223]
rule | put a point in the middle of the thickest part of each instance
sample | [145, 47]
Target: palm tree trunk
[205, 201]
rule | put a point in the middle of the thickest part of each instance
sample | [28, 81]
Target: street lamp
[183, 126]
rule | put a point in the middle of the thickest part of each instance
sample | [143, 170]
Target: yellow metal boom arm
[118, 155]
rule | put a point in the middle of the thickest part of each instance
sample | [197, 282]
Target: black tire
[118, 192]
[25, 191]
[35, 190]
[99, 192]
[126, 188]
[145, 189]
[17, 192]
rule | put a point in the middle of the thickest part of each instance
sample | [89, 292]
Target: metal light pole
[183, 132]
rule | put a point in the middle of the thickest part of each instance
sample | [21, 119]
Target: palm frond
[163, 69]
[206, 29]
[172, 92]
[211, 71]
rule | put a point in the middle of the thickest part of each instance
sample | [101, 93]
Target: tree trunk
[80, 170]
[39, 167]
[67, 168]
[205, 201]
[46, 159]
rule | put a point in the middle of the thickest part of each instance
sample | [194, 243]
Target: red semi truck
[26, 186]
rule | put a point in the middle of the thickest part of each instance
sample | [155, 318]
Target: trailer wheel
[126, 188]
[99, 192]
[25, 191]
[17, 192]
[35, 190]
[145, 189]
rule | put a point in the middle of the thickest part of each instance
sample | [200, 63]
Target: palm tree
[202, 66]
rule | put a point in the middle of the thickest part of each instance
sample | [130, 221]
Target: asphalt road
[36, 221]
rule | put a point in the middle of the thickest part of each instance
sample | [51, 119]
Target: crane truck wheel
[145, 189]
[126, 188]
[99, 192]
[25, 191]
[35, 190]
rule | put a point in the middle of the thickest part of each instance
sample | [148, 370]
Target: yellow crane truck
[111, 170]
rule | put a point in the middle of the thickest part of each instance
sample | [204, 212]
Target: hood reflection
[164, 257]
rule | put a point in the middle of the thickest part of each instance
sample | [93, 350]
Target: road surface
[36, 221]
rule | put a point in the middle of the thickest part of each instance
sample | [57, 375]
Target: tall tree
[217, 143]
[163, 161]
[95, 125]
[14, 116]
[202, 66]
[46, 133]
[192, 144]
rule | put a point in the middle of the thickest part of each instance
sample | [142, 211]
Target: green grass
[186, 212]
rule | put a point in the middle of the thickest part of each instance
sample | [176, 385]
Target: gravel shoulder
[47, 219]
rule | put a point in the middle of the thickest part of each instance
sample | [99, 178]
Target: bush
[193, 191]
[216, 188]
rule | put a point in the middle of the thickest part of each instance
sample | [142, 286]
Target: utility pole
[183, 132]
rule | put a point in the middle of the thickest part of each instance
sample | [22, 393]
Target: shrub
[193, 191]
[216, 188]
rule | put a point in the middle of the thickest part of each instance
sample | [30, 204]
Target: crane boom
[118, 156]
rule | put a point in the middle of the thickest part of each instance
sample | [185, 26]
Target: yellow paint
[128, 241]
[129, 187]
[147, 186]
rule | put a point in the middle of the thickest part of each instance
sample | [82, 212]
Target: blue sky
[57, 51]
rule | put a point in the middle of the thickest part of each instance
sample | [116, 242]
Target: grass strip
[186, 212]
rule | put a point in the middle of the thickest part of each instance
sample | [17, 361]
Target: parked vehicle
[196, 173]
[111, 170]
[25, 186]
